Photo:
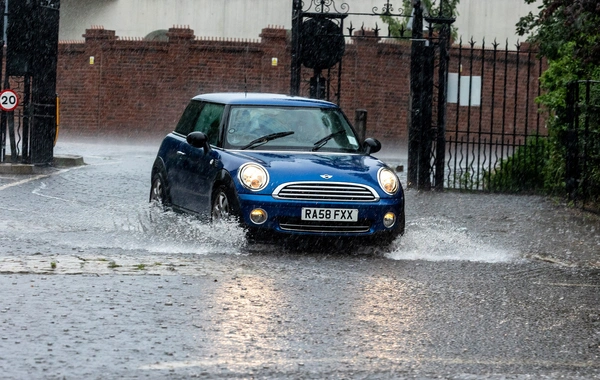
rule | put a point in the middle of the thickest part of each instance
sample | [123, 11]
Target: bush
[524, 171]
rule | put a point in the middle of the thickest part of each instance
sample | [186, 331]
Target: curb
[61, 161]
[68, 161]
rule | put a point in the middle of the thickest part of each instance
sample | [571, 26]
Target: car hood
[290, 167]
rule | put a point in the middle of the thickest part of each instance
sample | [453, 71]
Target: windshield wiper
[266, 139]
[319, 144]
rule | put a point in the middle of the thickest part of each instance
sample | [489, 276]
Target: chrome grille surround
[326, 191]
[325, 228]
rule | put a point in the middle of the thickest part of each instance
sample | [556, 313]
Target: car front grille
[324, 227]
[326, 191]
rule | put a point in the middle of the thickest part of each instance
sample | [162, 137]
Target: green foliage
[589, 140]
[565, 21]
[396, 27]
[554, 80]
[468, 180]
[567, 34]
[524, 171]
[399, 26]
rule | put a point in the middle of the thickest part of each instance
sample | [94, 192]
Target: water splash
[170, 232]
[434, 239]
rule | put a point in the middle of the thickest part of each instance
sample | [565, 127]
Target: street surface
[99, 284]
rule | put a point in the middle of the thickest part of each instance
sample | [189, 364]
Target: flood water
[102, 283]
[104, 204]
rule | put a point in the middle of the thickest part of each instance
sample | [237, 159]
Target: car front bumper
[284, 216]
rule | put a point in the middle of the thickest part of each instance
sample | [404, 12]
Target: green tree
[565, 21]
[567, 34]
[399, 26]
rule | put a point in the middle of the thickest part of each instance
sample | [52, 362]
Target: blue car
[281, 165]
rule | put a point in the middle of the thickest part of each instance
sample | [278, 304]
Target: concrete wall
[245, 18]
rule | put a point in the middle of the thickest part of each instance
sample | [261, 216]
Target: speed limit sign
[8, 100]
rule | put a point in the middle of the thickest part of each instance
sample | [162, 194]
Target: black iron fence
[320, 29]
[495, 137]
[582, 166]
[29, 71]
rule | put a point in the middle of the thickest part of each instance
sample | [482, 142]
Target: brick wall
[139, 88]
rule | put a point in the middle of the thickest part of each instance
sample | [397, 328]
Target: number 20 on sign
[8, 100]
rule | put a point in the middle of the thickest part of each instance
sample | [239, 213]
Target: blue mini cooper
[281, 165]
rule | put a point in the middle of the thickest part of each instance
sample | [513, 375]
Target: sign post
[9, 101]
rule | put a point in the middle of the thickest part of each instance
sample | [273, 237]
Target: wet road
[98, 284]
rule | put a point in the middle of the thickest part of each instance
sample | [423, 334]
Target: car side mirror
[372, 145]
[198, 140]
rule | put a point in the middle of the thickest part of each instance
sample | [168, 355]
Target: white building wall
[138, 18]
[492, 19]
[246, 18]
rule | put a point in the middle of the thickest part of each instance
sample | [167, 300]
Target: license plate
[330, 214]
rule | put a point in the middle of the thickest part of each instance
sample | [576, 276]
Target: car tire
[401, 224]
[158, 190]
[386, 239]
[221, 205]
[256, 235]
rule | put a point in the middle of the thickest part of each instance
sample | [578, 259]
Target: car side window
[188, 120]
[209, 121]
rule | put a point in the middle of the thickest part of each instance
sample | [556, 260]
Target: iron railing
[582, 142]
[495, 136]
[326, 83]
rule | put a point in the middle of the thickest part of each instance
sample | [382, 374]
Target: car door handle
[180, 153]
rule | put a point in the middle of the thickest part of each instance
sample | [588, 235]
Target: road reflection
[391, 316]
[259, 321]
[245, 317]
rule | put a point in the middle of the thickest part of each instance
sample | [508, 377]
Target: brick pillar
[180, 55]
[180, 34]
[98, 33]
[365, 37]
[275, 51]
[97, 41]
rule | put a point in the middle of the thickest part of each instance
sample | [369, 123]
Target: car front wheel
[158, 189]
[221, 204]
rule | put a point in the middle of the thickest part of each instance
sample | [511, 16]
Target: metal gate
[583, 141]
[495, 138]
[30, 72]
[319, 31]
[428, 108]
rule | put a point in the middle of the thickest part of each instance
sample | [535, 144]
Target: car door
[198, 167]
[177, 150]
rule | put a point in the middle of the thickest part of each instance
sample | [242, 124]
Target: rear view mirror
[372, 145]
[198, 140]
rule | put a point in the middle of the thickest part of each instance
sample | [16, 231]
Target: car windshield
[289, 128]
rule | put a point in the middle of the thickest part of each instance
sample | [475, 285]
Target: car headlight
[388, 181]
[253, 176]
